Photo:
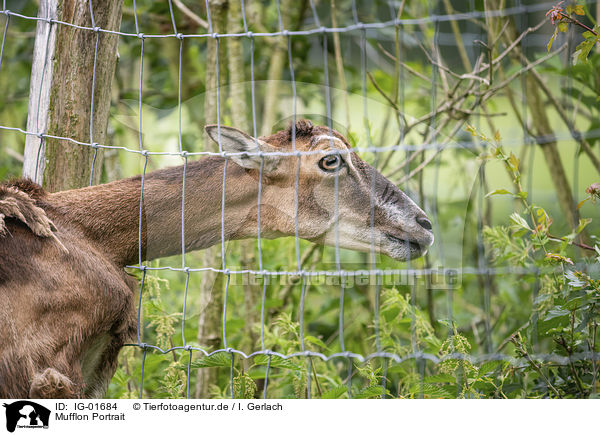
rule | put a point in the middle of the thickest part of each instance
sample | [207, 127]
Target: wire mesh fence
[341, 308]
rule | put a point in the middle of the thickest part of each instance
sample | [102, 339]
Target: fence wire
[435, 143]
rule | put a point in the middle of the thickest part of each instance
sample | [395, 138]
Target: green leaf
[582, 224]
[552, 38]
[219, 359]
[574, 281]
[555, 324]
[499, 192]
[517, 219]
[489, 366]
[431, 391]
[316, 341]
[276, 361]
[587, 34]
[563, 27]
[439, 378]
[370, 392]
[514, 162]
[120, 377]
[397, 368]
[334, 393]
[582, 51]
[582, 202]
[556, 312]
[483, 386]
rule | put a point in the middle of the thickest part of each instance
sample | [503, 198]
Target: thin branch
[388, 99]
[442, 71]
[521, 349]
[425, 162]
[383, 94]
[571, 242]
[592, 346]
[471, 76]
[511, 336]
[455, 103]
[404, 65]
[561, 341]
[319, 391]
[577, 22]
[510, 47]
[285, 293]
[397, 53]
[191, 15]
[503, 29]
[458, 37]
[459, 100]
[339, 63]
[15, 155]
[486, 94]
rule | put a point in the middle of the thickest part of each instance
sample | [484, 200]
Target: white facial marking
[316, 139]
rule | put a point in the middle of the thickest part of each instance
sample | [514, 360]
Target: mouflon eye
[331, 163]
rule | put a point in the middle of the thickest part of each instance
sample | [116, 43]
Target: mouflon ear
[232, 140]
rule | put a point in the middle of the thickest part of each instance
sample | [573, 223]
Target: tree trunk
[239, 117]
[542, 128]
[209, 322]
[289, 11]
[235, 63]
[61, 92]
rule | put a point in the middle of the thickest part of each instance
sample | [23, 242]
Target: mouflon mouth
[415, 248]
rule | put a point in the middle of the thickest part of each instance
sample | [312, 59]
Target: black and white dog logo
[26, 414]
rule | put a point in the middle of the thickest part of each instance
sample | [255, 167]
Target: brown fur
[59, 294]
[67, 303]
[19, 205]
[33, 190]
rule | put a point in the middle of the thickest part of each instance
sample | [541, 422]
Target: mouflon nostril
[425, 223]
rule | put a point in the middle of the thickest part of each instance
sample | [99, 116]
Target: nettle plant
[562, 18]
[564, 322]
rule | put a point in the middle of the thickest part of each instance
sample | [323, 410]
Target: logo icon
[26, 414]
